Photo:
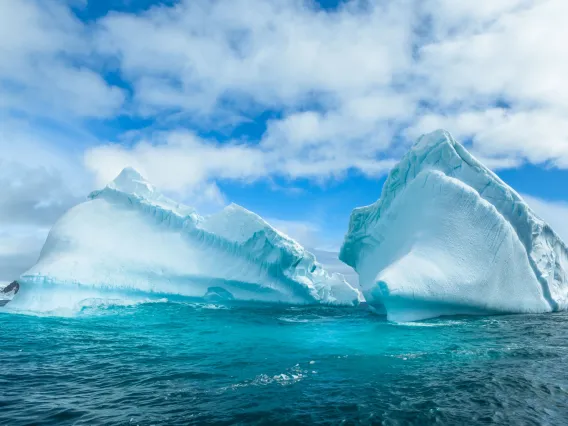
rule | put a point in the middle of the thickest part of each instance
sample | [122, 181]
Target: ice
[130, 241]
[447, 237]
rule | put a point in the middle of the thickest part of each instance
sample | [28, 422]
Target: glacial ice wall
[129, 239]
[447, 236]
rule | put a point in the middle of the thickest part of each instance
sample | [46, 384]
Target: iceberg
[449, 237]
[129, 240]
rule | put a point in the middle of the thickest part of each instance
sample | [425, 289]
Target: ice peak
[131, 182]
[235, 207]
[240, 211]
[438, 139]
[129, 173]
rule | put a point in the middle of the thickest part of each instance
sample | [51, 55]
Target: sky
[294, 109]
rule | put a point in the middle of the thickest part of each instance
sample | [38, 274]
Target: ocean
[164, 363]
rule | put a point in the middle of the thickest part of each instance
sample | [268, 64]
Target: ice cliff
[447, 236]
[128, 238]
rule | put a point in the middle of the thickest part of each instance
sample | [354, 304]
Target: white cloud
[19, 249]
[45, 70]
[350, 80]
[511, 51]
[202, 59]
[181, 163]
[506, 135]
[32, 195]
[271, 52]
[518, 56]
[39, 182]
[347, 82]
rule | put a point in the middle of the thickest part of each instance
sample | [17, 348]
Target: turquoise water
[197, 363]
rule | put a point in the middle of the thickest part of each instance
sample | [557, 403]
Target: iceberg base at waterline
[129, 240]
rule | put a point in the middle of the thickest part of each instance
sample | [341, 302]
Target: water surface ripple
[191, 363]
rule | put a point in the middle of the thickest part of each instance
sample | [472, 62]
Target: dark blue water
[172, 363]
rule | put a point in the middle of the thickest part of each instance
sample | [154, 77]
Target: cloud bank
[350, 87]
[167, 89]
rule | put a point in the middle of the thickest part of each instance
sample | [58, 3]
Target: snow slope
[128, 240]
[447, 236]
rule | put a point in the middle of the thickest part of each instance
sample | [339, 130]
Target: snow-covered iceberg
[447, 236]
[130, 240]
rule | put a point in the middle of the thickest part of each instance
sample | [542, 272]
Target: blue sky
[294, 109]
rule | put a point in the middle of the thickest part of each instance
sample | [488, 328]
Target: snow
[447, 237]
[130, 241]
